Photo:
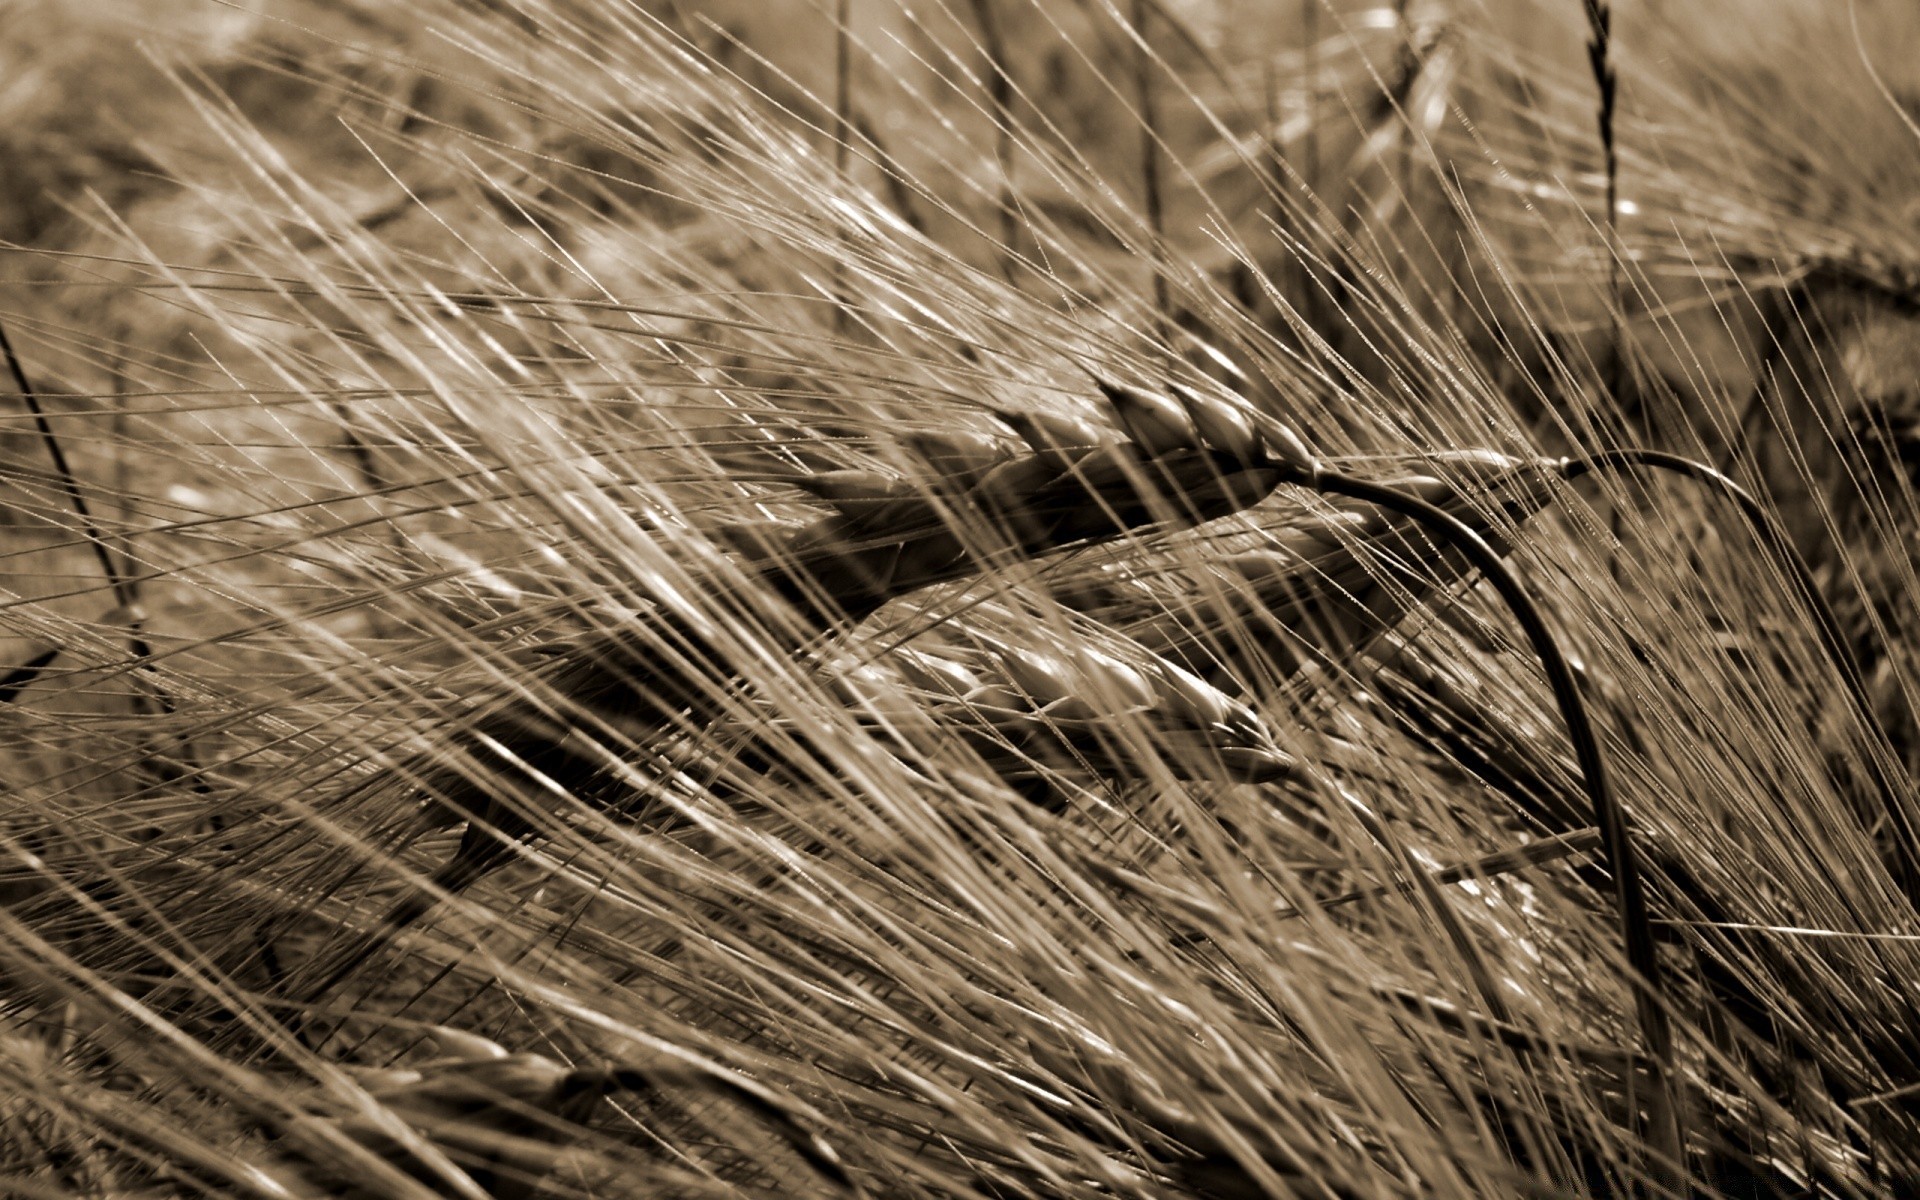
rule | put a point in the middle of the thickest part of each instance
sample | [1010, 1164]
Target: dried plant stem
[1609, 817]
[1150, 183]
[842, 137]
[126, 592]
[893, 176]
[1310, 90]
[842, 84]
[1600, 59]
[17, 679]
[1000, 99]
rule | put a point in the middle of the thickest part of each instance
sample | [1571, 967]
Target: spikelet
[1113, 711]
[1058, 440]
[1045, 679]
[1120, 686]
[851, 489]
[1156, 424]
[1242, 435]
[1283, 448]
[871, 689]
[1224, 425]
[958, 457]
[934, 673]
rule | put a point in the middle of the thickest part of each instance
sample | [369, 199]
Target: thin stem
[126, 593]
[1000, 98]
[892, 175]
[17, 680]
[1310, 89]
[123, 591]
[1600, 60]
[1609, 817]
[842, 137]
[842, 86]
[1150, 161]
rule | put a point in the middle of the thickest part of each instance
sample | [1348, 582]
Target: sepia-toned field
[907, 598]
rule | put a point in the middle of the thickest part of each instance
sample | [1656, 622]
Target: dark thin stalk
[842, 135]
[842, 86]
[126, 594]
[374, 483]
[1000, 98]
[18, 679]
[1600, 59]
[1609, 817]
[1613, 417]
[892, 175]
[1150, 187]
[1409, 74]
[1310, 88]
[358, 450]
[1768, 532]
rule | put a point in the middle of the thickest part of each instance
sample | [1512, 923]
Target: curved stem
[1616, 835]
[1767, 530]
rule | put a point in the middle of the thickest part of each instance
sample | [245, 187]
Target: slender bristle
[1007, 599]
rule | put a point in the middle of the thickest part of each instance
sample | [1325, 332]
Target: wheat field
[907, 598]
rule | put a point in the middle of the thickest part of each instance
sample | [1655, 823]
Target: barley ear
[851, 486]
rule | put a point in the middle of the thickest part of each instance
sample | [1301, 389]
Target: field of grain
[908, 598]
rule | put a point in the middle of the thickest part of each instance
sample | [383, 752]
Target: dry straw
[913, 667]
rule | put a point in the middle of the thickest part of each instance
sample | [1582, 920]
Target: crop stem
[1609, 816]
